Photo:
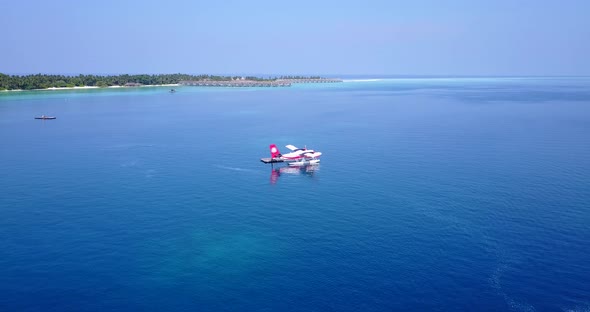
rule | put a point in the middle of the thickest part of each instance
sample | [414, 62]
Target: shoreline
[92, 87]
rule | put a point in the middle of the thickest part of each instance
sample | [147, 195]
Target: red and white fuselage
[297, 156]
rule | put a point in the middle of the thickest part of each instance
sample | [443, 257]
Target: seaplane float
[297, 156]
[45, 117]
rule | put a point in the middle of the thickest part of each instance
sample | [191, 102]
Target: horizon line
[342, 75]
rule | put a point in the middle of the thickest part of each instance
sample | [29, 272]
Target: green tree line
[41, 81]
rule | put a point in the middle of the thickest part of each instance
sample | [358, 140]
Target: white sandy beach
[95, 87]
[69, 88]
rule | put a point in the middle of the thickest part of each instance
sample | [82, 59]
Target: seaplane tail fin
[274, 151]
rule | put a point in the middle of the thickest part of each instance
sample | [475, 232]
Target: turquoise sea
[433, 194]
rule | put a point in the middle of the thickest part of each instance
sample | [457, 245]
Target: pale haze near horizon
[492, 38]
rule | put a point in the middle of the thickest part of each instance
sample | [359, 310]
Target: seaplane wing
[312, 155]
[291, 147]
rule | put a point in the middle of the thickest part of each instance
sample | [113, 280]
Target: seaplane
[297, 156]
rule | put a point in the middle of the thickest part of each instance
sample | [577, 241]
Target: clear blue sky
[495, 37]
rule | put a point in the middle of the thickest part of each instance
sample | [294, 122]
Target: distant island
[41, 81]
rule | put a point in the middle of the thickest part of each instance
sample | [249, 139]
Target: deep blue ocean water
[432, 195]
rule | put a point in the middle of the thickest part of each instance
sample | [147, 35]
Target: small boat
[45, 117]
[172, 90]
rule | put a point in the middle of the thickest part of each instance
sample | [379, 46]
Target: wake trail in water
[235, 168]
[127, 146]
